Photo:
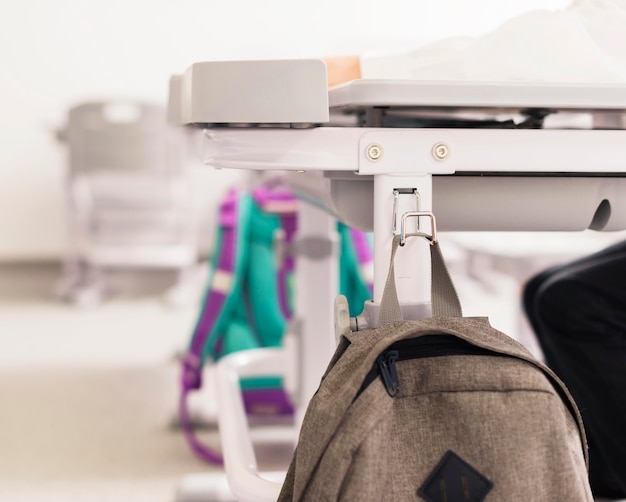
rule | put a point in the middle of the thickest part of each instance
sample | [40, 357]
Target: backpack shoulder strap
[275, 198]
[355, 267]
[223, 287]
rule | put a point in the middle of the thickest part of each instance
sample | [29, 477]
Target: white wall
[55, 53]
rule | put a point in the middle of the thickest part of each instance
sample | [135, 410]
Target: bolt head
[441, 151]
[374, 152]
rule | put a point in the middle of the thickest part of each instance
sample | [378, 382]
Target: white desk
[480, 156]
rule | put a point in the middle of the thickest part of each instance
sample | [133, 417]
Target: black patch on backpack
[454, 480]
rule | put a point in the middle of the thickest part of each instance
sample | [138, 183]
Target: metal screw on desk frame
[374, 152]
[441, 151]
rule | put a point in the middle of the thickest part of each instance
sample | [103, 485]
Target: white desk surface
[477, 95]
[295, 92]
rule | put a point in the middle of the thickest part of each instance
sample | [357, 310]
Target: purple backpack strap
[191, 378]
[287, 264]
[364, 255]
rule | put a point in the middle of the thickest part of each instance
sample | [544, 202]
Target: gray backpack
[444, 409]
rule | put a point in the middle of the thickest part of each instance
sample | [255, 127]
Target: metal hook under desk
[396, 196]
[432, 237]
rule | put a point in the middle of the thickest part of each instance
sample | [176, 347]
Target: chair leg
[186, 288]
[90, 291]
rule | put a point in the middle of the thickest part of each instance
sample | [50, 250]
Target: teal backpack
[248, 301]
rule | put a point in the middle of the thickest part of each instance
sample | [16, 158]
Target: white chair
[129, 197]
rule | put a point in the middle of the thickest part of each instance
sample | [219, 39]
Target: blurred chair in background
[129, 198]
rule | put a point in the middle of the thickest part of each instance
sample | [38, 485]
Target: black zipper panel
[417, 348]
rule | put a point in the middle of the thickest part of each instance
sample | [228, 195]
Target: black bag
[578, 313]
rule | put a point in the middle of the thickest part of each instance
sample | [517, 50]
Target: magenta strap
[287, 264]
[191, 378]
[201, 450]
[363, 250]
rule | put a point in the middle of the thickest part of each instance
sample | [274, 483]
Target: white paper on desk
[583, 43]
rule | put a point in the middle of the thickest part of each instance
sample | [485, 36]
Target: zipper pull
[387, 367]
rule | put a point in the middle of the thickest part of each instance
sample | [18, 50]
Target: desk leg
[317, 285]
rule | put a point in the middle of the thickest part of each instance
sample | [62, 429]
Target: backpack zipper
[417, 348]
[386, 363]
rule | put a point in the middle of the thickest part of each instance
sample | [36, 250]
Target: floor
[88, 395]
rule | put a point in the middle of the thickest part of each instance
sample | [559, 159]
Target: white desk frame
[394, 158]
